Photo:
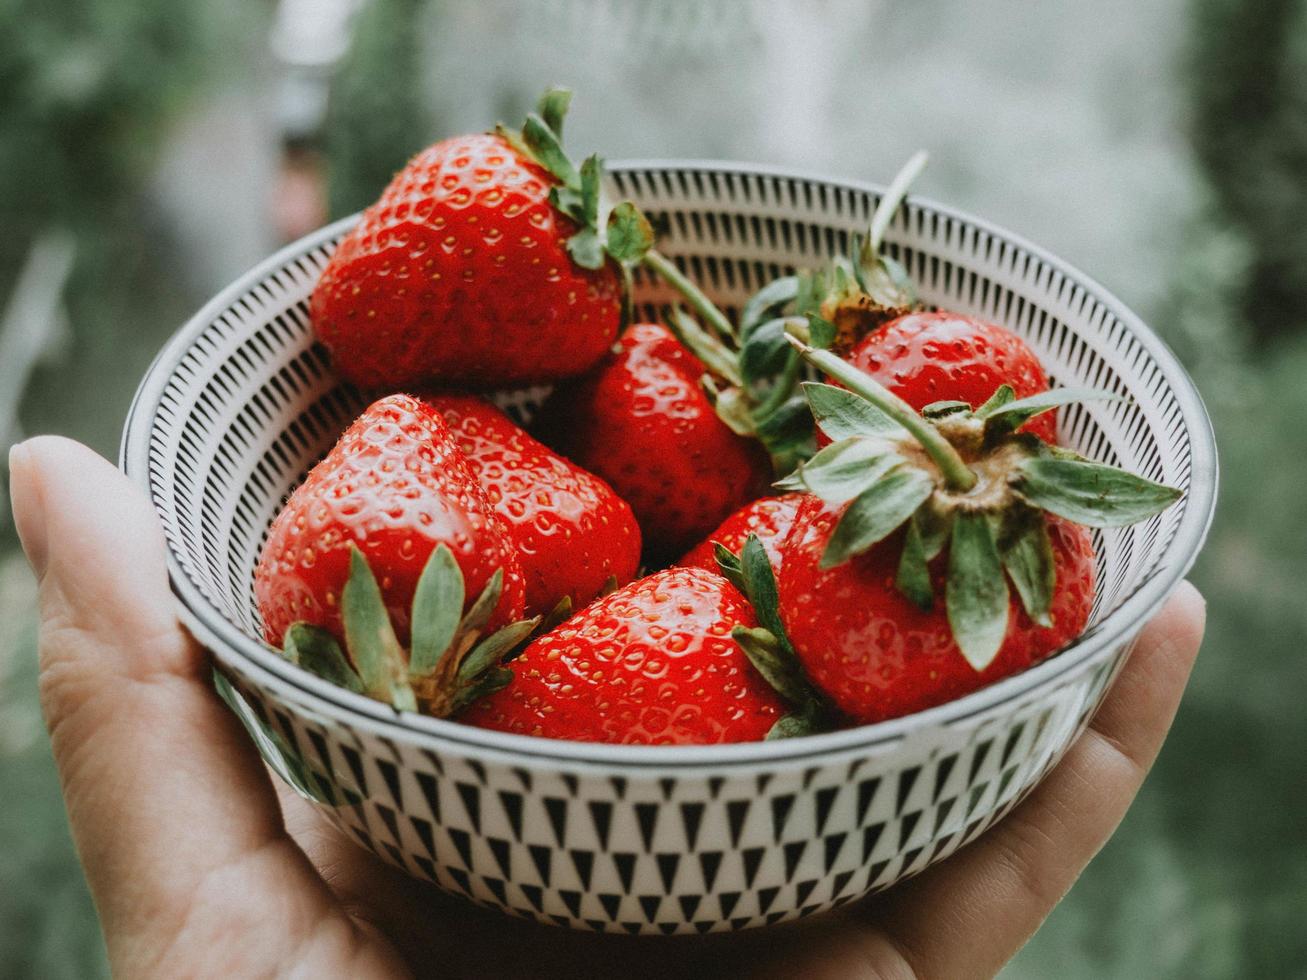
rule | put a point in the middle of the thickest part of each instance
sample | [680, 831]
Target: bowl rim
[1118, 627]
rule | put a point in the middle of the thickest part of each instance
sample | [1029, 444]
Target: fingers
[167, 800]
[970, 915]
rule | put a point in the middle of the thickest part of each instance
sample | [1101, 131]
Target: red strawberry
[877, 655]
[481, 264]
[652, 663]
[768, 517]
[642, 422]
[395, 486]
[931, 357]
[573, 535]
[908, 508]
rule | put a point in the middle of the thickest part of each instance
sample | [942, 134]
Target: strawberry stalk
[451, 661]
[964, 480]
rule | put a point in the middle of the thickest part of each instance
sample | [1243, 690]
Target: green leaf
[778, 666]
[876, 512]
[790, 420]
[552, 108]
[760, 585]
[370, 636]
[495, 679]
[1013, 415]
[939, 410]
[585, 248]
[477, 617]
[592, 170]
[821, 332]
[547, 149]
[630, 235]
[913, 578]
[765, 351]
[844, 469]
[729, 564]
[1088, 493]
[317, 651]
[732, 407]
[770, 298]
[437, 608]
[976, 594]
[809, 721]
[490, 651]
[1028, 557]
[811, 292]
[840, 413]
[1003, 395]
[561, 612]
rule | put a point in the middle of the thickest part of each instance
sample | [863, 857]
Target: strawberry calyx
[960, 478]
[451, 661]
[604, 231]
[768, 646]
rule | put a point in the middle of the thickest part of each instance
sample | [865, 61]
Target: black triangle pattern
[431, 792]
[619, 786]
[704, 926]
[320, 747]
[840, 883]
[650, 905]
[825, 799]
[523, 777]
[668, 928]
[976, 793]
[612, 904]
[715, 786]
[765, 898]
[435, 761]
[583, 861]
[775, 917]
[736, 813]
[978, 759]
[804, 889]
[646, 815]
[462, 843]
[667, 865]
[908, 858]
[793, 855]
[395, 854]
[556, 811]
[780, 813]
[739, 922]
[691, 819]
[1004, 780]
[809, 775]
[496, 887]
[601, 815]
[907, 779]
[533, 895]
[512, 805]
[478, 770]
[941, 814]
[667, 785]
[870, 838]
[709, 864]
[939, 847]
[461, 880]
[634, 928]
[388, 818]
[624, 861]
[391, 777]
[689, 905]
[572, 900]
[570, 781]
[907, 826]
[596, 924]
[763, 781]
[866, 793]
[427, 867]
[1013, 737]
[834, 844]
[502, 852]
[752, 859]
[425, 834]
[727, 902]
[942, 773]
[471, 797]
[874, 872]
[542, 858]
[356, 767]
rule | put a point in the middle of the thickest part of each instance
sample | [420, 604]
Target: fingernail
[29, 509]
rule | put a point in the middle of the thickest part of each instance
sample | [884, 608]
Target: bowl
[661, 840]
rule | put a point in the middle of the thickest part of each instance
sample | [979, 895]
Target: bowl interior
[243, 402]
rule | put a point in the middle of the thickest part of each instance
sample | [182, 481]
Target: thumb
[166, 797]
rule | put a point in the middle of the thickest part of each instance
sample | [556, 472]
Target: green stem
[692, 294]
[957, 476]
[781, 389]
[894, 196]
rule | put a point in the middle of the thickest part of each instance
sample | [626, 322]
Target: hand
[197, 867]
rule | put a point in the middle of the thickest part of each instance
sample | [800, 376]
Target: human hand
[198, 868]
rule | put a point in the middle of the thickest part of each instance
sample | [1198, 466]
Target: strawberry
[573, 535]
[653, 663]
[394, 487]
[926, 358]
[643, 423]
[960, 501]
[769, 518]
[486, 262]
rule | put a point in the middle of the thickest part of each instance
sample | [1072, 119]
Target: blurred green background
[150, 150]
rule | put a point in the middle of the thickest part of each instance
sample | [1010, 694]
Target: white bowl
[241, 403]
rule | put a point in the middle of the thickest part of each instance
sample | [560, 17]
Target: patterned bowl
[241, 403]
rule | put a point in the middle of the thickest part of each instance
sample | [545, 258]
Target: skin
[151, 763]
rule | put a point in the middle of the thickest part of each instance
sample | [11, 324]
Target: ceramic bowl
[241, 403]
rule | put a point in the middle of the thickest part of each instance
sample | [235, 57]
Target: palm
[196, 869]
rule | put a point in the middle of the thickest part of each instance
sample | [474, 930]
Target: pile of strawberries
[626, 573]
